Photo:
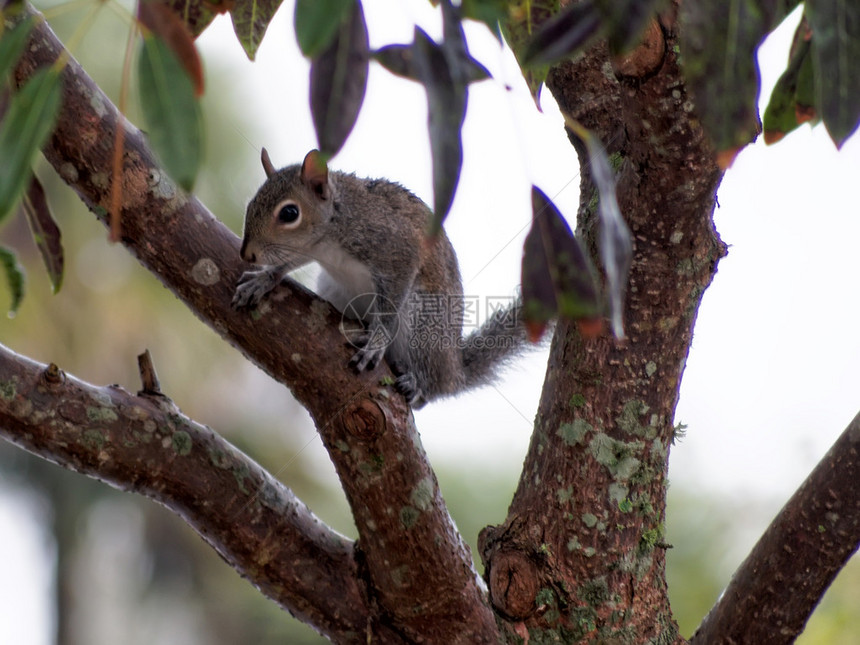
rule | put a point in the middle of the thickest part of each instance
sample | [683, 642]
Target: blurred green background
[127, 568]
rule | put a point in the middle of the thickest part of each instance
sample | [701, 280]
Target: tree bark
[420, 579]
[581, 553]
[144, 444]
[775, 590]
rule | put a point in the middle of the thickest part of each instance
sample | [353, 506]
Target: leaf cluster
[821, 82]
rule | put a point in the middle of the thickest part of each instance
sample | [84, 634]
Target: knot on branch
[514, 584]
[646, 58]
[365, 419]
[53, 375]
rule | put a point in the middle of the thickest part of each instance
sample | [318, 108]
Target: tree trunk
[581, 552]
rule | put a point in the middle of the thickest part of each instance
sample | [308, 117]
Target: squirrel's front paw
[367, 357]
[253, 287]
[407, 385]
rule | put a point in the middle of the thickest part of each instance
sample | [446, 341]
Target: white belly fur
[342, 277]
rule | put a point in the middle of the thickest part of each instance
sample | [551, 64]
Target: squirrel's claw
[254, 285]
[407, 385]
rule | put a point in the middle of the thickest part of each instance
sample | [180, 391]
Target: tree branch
[144, 444]
[775, 590]
[418, 569]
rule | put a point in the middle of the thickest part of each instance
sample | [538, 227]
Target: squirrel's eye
[288, 214]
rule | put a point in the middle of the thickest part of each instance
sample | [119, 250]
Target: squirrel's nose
[247, 252]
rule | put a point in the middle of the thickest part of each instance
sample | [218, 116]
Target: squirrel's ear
[267, 163]
[315, 174]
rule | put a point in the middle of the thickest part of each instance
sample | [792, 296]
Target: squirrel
[369, 237]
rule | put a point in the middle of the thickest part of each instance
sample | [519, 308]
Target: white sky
[772, 378]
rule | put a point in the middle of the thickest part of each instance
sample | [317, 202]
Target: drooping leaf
[317, 22]
[563, 35]
[171, 110]
[197, 14]
[338, 83]
[781, 115]
[557, 276]
[446, 111]
[165, 23]
[624, 20]
[46, 233]
[835, 28]
[518, 30]
[615, 242]
[445, 70]
[12, 43]
[251, 18]
[14, 278]
[718, 55]
[397, 59]
[27, 124]
[804, 93]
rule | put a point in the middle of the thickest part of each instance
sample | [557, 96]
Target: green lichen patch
[573, 544]
[589, 552]
[93, 438]
[574, 433]
[650, 368]
[241, 473]
[616, 455]
[583, 621]
[341, 445]
[181, 443]
[545, 598]
[577, 400]
[589, 519]
[564, 494]
[594, 592]
[618, 494]
[629, 419]
[422, 494]
[409, 516]
[9, 389]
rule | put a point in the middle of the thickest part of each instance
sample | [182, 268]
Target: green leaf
[338, 83]
[29, 121]
[784, 109]
[718, 55]
[836, 35]
[251, 18]
[12, 43]
[46, 233]
[317, 22]
[563, 35]
[171, 110]
[518, 30]
[14, 278]
[490, 12]
[446, 111]
[557, 276]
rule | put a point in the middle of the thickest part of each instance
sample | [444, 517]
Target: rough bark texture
[419, 574]
[144, 444]
[775, 589]
[581, 551]
[580, 557]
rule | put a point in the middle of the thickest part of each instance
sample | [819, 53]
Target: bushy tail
[487, 349]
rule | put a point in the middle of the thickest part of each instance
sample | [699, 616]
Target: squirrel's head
[289, 213]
